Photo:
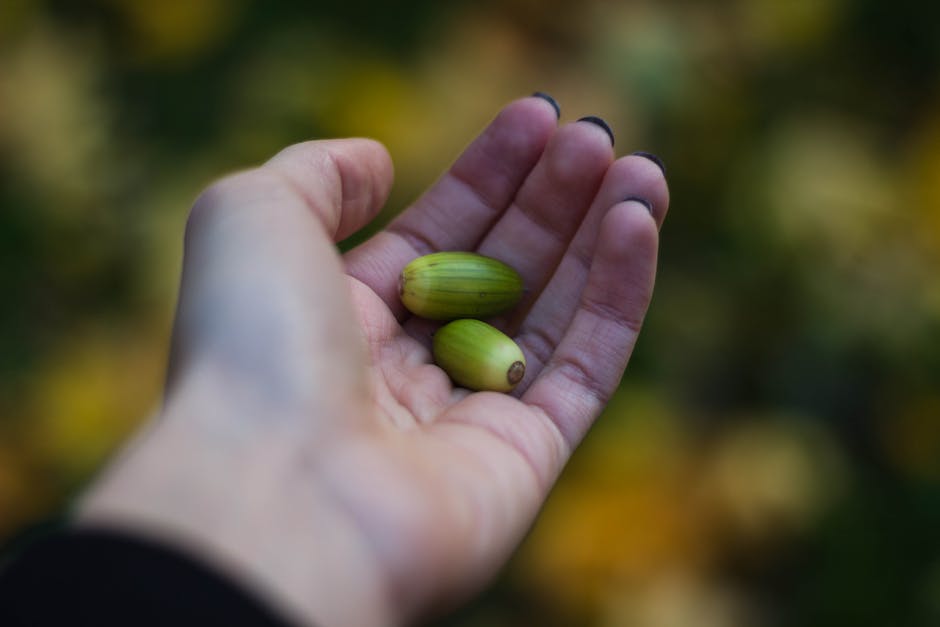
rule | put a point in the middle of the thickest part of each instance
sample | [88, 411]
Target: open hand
[308, 445]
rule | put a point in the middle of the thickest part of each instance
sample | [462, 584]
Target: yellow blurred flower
[90, 395]
[622, 513]
[640, 521]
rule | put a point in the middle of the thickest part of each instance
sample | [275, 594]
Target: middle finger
[533, 234]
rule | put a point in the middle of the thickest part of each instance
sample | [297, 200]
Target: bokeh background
[773, 456]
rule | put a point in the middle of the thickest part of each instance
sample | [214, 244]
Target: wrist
[246, 501]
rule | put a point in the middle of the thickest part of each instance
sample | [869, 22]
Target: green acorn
[449, 285]
[478, 356]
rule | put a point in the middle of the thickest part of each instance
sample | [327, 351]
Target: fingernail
[653, 158]
[593, 119]
[549, 100]
[642, 201]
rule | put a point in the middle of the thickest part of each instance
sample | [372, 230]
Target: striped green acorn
[449, 285]
[478, 356]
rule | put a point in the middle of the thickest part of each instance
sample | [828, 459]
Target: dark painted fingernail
[642, 201]
[593, 119]
[549, 100]
[653, 158]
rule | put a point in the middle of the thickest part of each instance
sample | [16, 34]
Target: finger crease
[311, 202]
[612, 314]
[573, 369]
[419, 243]
[582, 256]
[561, 447]
[540, 344]
[491, 206]
[553, 228]
[530, 462]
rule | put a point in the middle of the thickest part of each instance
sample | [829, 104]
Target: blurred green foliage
[774, 455]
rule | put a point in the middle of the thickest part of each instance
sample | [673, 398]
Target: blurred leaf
[770, 477]
[787, 27]
[174, 31]
[912, 438]
[55, 122]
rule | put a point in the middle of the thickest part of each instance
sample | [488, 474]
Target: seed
[478, 356]
[449, 285]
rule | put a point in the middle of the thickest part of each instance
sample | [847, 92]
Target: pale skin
[307, 445]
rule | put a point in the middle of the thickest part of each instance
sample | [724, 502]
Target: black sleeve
[104, 578]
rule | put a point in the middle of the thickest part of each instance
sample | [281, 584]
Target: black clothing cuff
[95, 577]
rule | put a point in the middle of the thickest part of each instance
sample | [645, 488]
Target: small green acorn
[478, 356]
[449, 285]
